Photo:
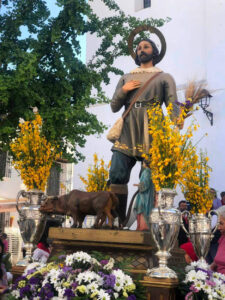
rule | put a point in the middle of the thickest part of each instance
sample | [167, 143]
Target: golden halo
[152, 30]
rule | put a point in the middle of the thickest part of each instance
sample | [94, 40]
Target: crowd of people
[215, 257]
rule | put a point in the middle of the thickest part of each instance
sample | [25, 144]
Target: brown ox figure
[78, 204]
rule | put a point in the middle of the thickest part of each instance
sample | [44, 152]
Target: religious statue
[161, 89]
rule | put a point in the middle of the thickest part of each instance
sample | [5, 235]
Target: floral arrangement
[170, 150]
[77, 276]
[33, 154]
[195, 184]
[194, 92]
[97, 176]
[204, 283]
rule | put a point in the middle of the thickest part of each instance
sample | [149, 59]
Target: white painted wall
[9, 187]
[195, 50]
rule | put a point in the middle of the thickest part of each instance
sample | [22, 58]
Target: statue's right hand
[131, 85]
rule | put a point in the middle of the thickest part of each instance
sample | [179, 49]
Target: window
[5, 165]
[8, 167]
[147, 3]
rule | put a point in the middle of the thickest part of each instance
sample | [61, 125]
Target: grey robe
[135, 129]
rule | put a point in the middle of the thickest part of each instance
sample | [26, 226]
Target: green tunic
[135, 129]
[145, 198]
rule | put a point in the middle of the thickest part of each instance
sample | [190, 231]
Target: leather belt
[141, 104]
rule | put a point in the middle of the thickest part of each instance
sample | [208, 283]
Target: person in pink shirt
[218, 264]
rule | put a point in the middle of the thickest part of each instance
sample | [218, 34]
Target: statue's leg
[102, 220]
[74, 215]
[119, 175]
[98, 218]
[80, 220]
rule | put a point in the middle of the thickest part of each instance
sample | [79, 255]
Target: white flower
[16, 293]
[201, 275]
[116, 295]
[128, 280]
[199, 285]
[21, 120]
[89, 276]
[110, 264]
[35, 110]
[53, 276]
[95, 262]
[92, 287]
[79, 257]
[61, 293]
[191, 276]
[120, 278]
[102, 295]
[207, 289]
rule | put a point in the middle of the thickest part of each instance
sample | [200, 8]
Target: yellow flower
[82, 289]
[97, 176]
[33, 154]
[22, 284]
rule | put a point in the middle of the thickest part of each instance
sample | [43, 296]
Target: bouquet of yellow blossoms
[97, 176]
[195, 184]
[33, 155]
[170, 150]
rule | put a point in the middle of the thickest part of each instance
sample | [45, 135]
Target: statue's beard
[144, 57]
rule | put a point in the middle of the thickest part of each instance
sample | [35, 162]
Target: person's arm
[213, 266]
[119, 96]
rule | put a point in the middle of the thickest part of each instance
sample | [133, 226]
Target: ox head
[49, 205]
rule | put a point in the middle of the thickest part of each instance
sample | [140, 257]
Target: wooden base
[160, 288]
[17, 271]
[119, 244]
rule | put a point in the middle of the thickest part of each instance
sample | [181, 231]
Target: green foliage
[42, 69]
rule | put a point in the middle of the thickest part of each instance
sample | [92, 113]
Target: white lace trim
[146, 70]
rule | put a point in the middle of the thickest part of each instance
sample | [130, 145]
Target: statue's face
[144, 52]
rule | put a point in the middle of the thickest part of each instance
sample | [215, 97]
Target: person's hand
[131, 85]
[213, 266]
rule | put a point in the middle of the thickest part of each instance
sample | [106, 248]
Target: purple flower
[109, 280]
[46, 292]
[189, 296]
[104, 262]
[109, 291]
[69, 293]
[31, 271]
[24, 291]
[203, 270]
[194, 289]
[67, 269]
[62, 256]
[211, 283]
[74, 284]
[34, 280]
[131, 297]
